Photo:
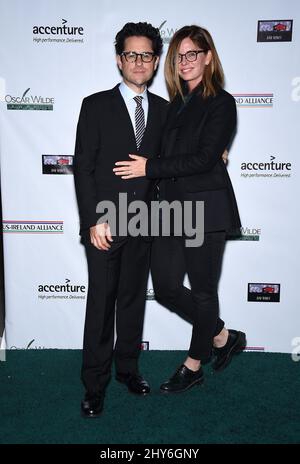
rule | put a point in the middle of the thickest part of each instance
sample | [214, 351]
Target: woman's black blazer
[196, 134]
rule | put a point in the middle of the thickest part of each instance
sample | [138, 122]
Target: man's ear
[156, 63]
[119, 62]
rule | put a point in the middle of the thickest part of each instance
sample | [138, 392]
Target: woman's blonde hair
[213, 76]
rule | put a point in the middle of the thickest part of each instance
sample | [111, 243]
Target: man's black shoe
[183, 379]
[235, 344]
[92, 405]
[135, 383]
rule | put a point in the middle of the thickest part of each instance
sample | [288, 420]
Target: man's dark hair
[139, 30]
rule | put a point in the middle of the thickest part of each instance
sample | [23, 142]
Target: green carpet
[255, 400]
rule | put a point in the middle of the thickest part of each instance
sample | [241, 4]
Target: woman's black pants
[170, 261]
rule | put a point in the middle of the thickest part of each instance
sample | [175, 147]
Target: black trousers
[117, 284]
[170, 261]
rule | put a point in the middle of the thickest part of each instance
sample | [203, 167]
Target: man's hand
[137, 167]
[131, 169]
[100, 235]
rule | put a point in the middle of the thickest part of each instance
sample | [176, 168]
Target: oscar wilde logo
[272, 169]
[166, 33]
[29, 102]
[246, 234]
[63, 33]
[28, 347]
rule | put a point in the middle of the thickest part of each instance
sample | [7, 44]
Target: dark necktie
[139, 121]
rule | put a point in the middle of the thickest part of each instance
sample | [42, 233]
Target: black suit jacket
[195, 137]
[105, 135]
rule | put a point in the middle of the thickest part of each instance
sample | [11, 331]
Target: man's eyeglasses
[191, 55]
[131, 57]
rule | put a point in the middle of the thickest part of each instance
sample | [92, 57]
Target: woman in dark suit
[200, 126]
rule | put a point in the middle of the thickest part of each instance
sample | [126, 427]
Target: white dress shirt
[128, 95]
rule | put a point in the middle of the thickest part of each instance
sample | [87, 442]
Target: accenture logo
[269, 169]
[63, 291]
[58, 30]
[61, 33]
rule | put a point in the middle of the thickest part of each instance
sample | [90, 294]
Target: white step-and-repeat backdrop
[55, 52]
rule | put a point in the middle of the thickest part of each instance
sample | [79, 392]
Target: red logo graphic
[279, 27]
[63, 161]
[268, 290]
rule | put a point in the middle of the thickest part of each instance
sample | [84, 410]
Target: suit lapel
[171, 128]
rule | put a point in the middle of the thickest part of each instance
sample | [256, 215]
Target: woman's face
[192, 71]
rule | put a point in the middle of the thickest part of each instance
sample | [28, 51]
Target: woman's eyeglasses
[191, 55]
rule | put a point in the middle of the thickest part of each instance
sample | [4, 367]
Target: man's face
[137, 74]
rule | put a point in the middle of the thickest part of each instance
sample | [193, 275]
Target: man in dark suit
[112, 124]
